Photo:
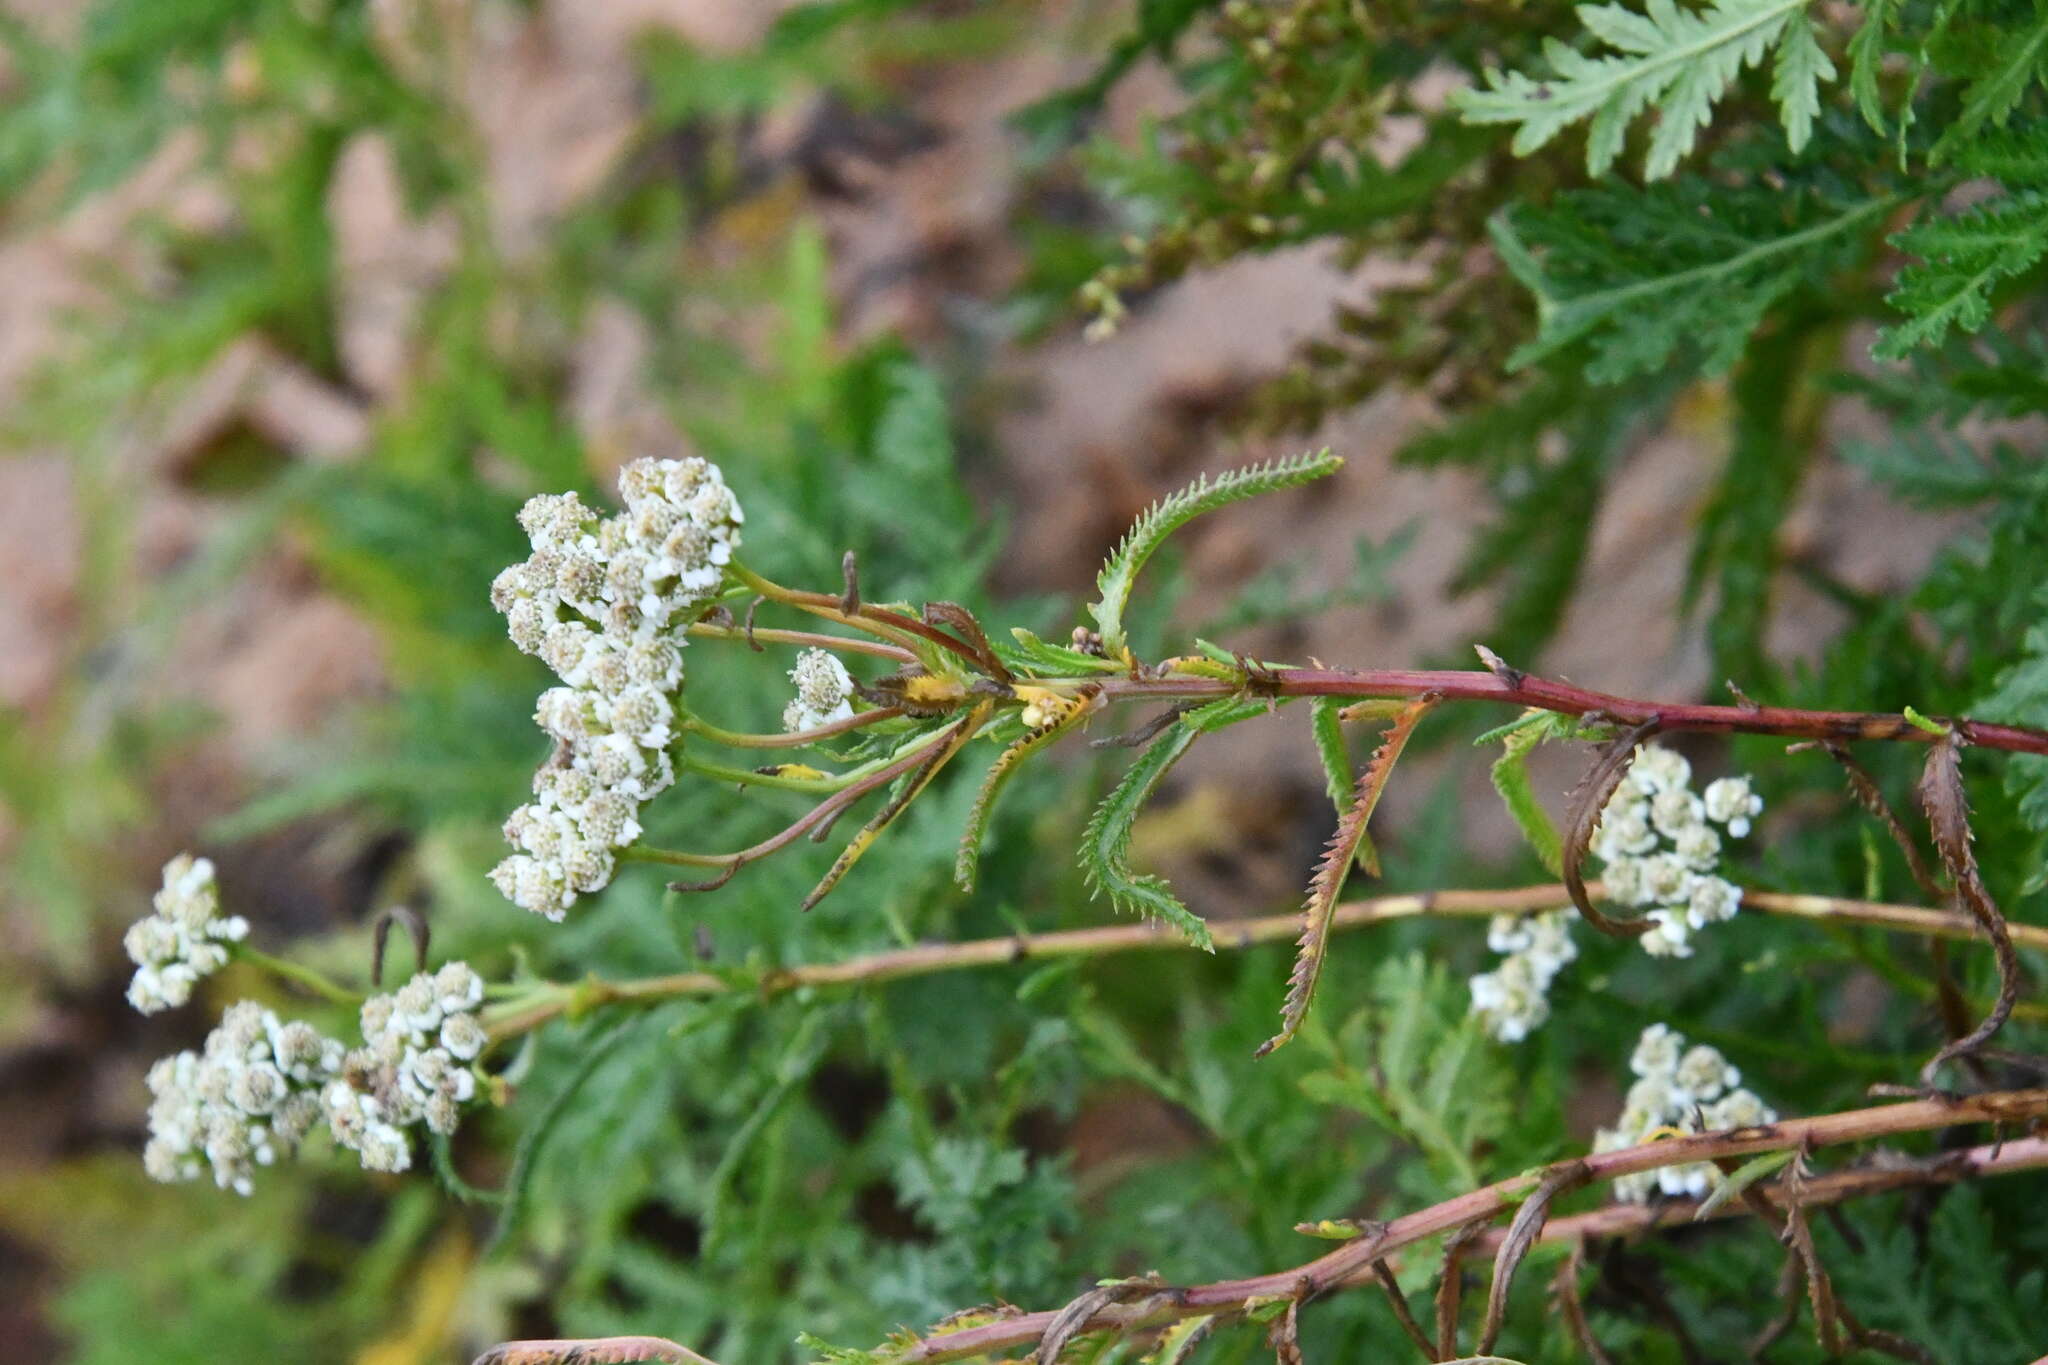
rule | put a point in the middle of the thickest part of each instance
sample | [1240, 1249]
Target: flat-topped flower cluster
[1660, 848]
[260, 1084]
[186, 939]
[1513, 999]
[602, 601]
[1677, 1090]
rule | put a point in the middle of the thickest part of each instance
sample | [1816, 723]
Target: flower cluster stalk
[515, 1017]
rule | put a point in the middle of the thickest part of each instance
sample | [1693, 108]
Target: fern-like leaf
[1329, 876]
[1169, 514]
[2013, 66]
[1106, 842]
[1962, 258]
[1640, 274]
[1674, 60]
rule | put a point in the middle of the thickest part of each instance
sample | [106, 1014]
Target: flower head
[823, 691]
[184, 939]
[602, 601]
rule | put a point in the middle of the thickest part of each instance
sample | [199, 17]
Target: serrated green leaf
[1331, 749]
[1640, 274]
[1963, 256]
[1676, 61]
[1106, 842]
[967, 860]
[1511, 779]
[1169, 514]
[2020, 59]
[1041, 658]
[1866, 58]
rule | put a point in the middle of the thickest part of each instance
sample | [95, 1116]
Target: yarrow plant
[609, 602]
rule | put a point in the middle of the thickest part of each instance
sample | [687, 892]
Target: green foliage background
[1824, 184]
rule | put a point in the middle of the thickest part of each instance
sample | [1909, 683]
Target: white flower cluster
[824, 690]
[184, 940]
[1660, 848]
[413, 1067]
[252, 1092]
[261, 1084]
[1677, 1089]
[1513, 999]
[600, 602]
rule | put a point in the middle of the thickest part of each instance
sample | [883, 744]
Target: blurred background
[300, 299]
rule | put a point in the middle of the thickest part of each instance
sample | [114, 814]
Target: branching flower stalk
[609, 603]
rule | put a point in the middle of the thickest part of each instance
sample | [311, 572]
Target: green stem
[297, 972]
[747, 777]
[793, 739]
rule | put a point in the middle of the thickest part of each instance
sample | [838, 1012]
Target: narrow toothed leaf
[1329, 735]
[968, 859]
[1948, 815]
[1328, 880]
[1169, 514]
[913, 783]
[1106, 843]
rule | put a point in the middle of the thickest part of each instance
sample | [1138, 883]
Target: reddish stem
[1521, 689]
[1353, 1260]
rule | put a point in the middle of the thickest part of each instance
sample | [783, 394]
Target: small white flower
[1509, 1000]
[1675, 810]
[1702, 1074]
[1657, 769]
[1739, 1109]
[1507, 933]
[823, 691]
[184, 940]
[1729, 801]
[1668, 936]
[1698, 847]
[1657, 1052]
[1711, 901]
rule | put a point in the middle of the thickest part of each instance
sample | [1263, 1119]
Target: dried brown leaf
[1589, 802]
[1070, 1320]
[1870, 796]
[1948, 816]
[1522, 1234]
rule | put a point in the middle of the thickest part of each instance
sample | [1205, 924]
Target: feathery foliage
[1675, 61]
[1160, 520]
